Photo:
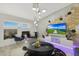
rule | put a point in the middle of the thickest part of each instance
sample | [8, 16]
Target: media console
[60, 42]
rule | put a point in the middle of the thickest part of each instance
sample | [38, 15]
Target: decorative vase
[37, 44]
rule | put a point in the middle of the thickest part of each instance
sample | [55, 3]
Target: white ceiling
[24, 10]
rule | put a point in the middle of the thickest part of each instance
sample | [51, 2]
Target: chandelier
[37, 12]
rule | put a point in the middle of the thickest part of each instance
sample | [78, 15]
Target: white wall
[44, 22]
[4, 18]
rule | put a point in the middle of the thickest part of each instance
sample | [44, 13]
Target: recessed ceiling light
[43, 11]
[34, 9]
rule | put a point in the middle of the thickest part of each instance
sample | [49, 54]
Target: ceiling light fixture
[34, 9]
[35, 22]
[43, 11]
[37, 14]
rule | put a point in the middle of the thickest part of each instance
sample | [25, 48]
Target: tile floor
[13, 50]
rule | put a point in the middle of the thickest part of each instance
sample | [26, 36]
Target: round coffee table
[45, 49]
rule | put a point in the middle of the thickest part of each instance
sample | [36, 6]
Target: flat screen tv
[60, 28]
